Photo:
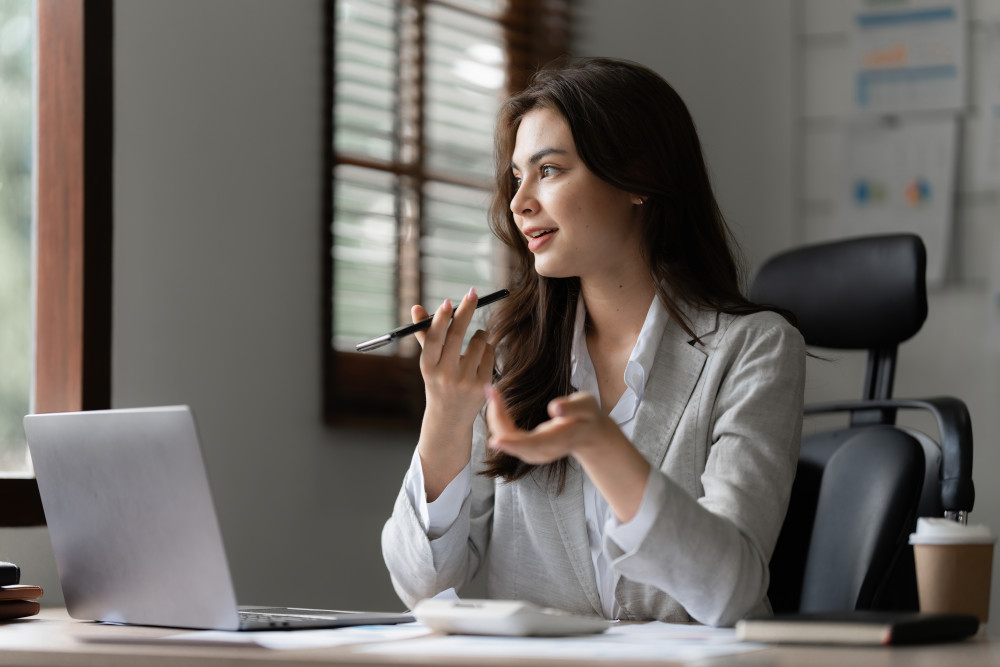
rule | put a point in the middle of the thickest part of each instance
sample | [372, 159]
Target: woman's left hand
[577, 424]
[578, 428]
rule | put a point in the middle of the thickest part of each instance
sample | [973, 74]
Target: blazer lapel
[676, 369]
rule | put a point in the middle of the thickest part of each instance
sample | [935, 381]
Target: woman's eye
[515, 181]
[549, 170]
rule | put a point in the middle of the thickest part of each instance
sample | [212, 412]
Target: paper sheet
[908, 55]
[630, 641]
[900, 177]
[644, 641]
[276, 639]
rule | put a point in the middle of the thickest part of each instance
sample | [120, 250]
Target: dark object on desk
[843, 545]
[859, 627]
[18, 601]
[9, 573]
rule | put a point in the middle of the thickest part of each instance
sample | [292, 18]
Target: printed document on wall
[908, 55]
[899, 176]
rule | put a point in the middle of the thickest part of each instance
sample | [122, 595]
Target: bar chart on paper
[899, 176]
[909, 55]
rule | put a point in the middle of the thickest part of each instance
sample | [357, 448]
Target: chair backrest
[853, 294]
[867, 293]
[858, 489]
[854, 508]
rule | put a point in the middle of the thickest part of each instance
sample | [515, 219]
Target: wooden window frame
[74, 223]
[387, 391]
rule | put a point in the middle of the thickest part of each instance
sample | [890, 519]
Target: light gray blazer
[721, 420]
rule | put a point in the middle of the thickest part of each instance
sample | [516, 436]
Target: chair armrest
[958, 494]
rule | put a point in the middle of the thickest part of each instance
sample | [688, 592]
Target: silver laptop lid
[131, 518]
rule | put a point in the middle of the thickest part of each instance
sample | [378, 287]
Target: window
[414, 88]
[72, 232]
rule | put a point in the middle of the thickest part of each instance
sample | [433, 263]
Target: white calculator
[504, 617]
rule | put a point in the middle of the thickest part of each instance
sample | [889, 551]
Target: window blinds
[416, 88]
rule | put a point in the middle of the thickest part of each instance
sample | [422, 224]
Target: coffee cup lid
[944, 531]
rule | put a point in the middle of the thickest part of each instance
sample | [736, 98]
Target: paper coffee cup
[954, 564]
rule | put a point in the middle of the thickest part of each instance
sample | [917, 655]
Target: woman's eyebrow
[537, 157]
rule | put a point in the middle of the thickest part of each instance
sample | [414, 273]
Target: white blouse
[436, 517]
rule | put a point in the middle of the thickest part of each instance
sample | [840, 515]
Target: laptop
[133, 527]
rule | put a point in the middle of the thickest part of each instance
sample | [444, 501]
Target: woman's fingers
[578, 405]
[453, 378]
[435, 334]
[448, 328]
[546, 442]
[478, 358]
[500, 422]
[486, 363]
[459, 324]
[549, 441]
[575, 422]
[418, 313]
[443, 340]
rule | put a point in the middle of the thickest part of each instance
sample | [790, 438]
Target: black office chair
[859, 489]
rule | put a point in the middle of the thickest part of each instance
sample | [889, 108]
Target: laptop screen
[131, 518]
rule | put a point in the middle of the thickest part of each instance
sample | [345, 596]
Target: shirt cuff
[438, 516]
[629, 535]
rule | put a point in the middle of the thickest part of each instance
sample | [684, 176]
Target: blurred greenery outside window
[17, 103]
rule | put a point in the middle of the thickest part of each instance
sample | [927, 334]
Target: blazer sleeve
[420, 567]
[710, 550]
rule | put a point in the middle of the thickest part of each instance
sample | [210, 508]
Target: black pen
[408, 329]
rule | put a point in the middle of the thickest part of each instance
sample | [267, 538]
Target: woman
[636, 454]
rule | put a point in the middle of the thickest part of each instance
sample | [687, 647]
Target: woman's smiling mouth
[537, 236]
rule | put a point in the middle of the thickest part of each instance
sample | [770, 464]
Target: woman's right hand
[453, 383]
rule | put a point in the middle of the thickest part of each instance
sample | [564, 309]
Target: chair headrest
[858, 293]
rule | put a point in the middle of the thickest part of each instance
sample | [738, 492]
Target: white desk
[53, 639]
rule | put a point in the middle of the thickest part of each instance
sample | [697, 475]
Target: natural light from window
[410, 204]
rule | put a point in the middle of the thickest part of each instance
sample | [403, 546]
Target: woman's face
[573, 222]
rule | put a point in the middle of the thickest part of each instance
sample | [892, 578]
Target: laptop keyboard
[271, 612]
[286, 616]
[282, 616]
[294, 617]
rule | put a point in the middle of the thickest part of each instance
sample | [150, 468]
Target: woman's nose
[523, 202]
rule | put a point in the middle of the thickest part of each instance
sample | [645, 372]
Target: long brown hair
[632, 130]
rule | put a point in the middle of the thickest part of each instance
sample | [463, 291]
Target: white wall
[731, 62]
[217, 292]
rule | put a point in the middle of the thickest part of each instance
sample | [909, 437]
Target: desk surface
[53, 639]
